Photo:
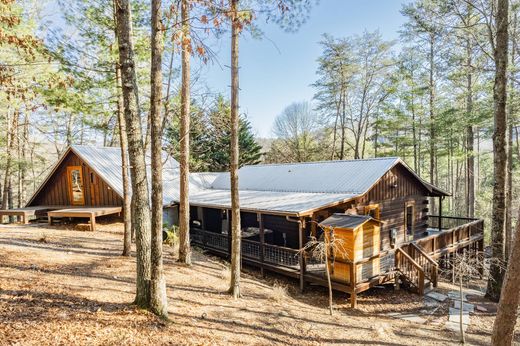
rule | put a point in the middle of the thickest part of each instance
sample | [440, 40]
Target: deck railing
[455, 231]
[410, 270]
[251, 250]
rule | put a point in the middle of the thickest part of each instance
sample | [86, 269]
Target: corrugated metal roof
[107, 163]
[273, 201]
[350, 176]
[345, 220]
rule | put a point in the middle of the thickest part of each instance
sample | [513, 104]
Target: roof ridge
[323, 161]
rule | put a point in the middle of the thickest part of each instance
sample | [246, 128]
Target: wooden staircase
[416, 268]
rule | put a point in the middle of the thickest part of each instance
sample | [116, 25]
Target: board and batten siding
[392, 192]
[56, 191]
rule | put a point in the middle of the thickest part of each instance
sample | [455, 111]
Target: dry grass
[75, 288]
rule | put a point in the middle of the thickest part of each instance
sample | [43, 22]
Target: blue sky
[279, 69]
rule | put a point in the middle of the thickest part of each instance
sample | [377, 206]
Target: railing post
[262, 240]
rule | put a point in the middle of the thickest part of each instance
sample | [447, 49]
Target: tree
[507, 314]
[158, 299]
[296, 129]
[500, 53]
[136, 153]
[184, 206]
[236, 235]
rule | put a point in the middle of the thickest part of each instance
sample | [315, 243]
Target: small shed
[356, 247]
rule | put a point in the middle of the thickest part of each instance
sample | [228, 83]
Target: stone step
[454, 316]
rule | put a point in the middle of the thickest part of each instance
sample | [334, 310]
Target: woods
[440, 94]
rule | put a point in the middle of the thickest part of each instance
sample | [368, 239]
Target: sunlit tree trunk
[184, 205]
[234, 288]
[136, 153]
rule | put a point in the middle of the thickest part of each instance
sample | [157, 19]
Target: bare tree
[184, 206]
[234, 288]
[136, 153]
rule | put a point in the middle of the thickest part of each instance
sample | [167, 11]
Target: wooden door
[76, 186]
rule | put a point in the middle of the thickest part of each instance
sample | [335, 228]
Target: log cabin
[379, 208]
[86, 183]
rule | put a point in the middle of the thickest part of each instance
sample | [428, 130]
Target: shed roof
[345, 220]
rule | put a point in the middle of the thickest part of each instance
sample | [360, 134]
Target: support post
[440, 212]
[92, 222]
[228, 219]
[353, 293]
[262, 241]
[301, 258]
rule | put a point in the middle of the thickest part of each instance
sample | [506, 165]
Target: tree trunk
[234, 288]
[12, 124]
[184, 204]
[470, 138]
[432, 114]
[507, 314]
[158, 299]
[499, 148]
[123, 143]
[136, 153]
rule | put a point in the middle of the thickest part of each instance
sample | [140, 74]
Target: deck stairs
[415, 268]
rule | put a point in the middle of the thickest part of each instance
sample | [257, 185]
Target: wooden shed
[355, 247]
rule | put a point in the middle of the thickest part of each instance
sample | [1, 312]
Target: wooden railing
[428, 264]
[410, 269]
[251, 250]
[464, 230]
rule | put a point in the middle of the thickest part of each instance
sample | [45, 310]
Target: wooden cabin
[86, 183]
[380, 209]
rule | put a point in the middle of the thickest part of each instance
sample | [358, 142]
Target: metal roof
[268, 201]
[345, 221]
[281, 188]
[347, 177]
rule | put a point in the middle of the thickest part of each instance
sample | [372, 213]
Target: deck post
[262, 241]
[440, 213]
[228, 219]
[353, 293]
[92, 222]
[301, 259]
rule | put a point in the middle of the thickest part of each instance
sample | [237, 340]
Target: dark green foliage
[210, 138]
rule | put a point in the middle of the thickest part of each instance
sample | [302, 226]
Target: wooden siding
[57, 192]
[392, 192]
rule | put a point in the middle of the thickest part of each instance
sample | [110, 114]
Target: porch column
[440, 212]
[301, 259]
[228, 219]
[262, 240]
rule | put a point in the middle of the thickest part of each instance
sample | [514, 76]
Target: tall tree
[184, 206]
[507, 314]
[136, 153]
[500, 53]
[236, 235]
[158, 299]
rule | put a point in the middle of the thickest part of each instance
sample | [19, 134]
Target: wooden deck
[28, 212]
[84, 212]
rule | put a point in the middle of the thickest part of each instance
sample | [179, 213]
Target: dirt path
[60, 286]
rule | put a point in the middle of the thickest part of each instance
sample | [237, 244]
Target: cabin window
[75, 179]
[409, 219]
[373, 210]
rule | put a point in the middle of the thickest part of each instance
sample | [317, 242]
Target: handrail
[414, 273]
[430, 273]
[454, 217]
[422, 252]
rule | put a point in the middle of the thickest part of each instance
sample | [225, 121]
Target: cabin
[379, 208]
[87, 183]
[375, 214]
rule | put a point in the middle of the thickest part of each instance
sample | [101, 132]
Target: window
[409, 219]
[373, 210]
[75, 178]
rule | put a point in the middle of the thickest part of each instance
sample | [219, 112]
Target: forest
[443, 97]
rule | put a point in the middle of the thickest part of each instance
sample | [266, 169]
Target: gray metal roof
[345, 221]
[347, 177]
[107, 163]
[282, 188]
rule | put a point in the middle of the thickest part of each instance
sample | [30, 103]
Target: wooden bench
[85, 212]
